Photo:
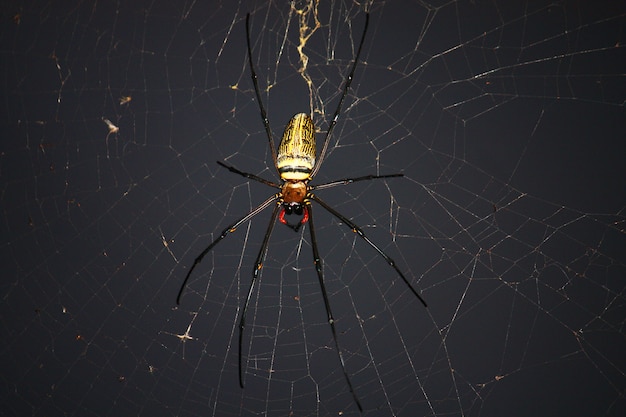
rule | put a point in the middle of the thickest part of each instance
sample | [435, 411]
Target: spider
[296, 165]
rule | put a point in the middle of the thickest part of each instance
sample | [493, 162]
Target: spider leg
[266, 122]
[230, 229]
[333, 122]
[255, 274]
[347, 181]
[320, 275]
[356, 229]
[248, 175]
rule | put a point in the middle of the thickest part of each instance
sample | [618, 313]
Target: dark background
[506, 118]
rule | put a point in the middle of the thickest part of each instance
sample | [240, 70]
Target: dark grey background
[506, 118]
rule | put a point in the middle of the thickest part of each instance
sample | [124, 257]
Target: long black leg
[331, 320]
[230, 229]
[347, 181]
[255, 274]
[356, 229]
[266, 122]
[248, 175]
[333, 122]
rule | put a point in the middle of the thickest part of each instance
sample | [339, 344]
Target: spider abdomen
[296, 152]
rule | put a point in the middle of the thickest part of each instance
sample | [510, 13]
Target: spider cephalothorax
[293, 201]
[296, 165]
[293, 192]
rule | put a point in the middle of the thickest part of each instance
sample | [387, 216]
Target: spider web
[506, 119]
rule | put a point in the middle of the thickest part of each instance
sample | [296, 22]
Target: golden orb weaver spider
[296, 165]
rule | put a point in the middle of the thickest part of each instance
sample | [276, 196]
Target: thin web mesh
[507, 121]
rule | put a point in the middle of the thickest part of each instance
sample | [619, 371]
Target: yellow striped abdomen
[296, 152]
